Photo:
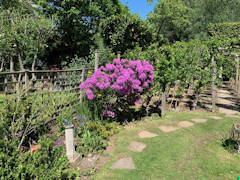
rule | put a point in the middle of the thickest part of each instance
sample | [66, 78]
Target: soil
[227, 102]
[105, 157]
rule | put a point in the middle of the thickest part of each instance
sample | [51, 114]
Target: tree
[23, 38]
[125, 32]
[170, 20]
[212, 11]
[76, 25]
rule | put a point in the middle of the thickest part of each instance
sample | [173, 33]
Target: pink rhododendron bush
[117, 86]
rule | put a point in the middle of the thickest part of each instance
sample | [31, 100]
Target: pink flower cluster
[124, 76]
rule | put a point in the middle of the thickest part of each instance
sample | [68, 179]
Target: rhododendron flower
[128, 79]
[116, 61]
[138, 101]
[108, 114]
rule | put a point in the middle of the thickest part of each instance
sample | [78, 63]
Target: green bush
[94, 135]
[48, 162]
[224, 31]
[90, 142]
[104, 130]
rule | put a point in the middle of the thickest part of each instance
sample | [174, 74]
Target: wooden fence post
[26, 78]
[237, 76]
[96, 60]
[5, 81]
[82, 79]
[119, 55]
[214, 88]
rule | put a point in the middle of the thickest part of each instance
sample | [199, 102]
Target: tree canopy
[57, 31]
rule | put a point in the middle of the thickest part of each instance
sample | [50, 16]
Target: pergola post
[119, 55]
[96, 60]
[237, 75]
[214, 88]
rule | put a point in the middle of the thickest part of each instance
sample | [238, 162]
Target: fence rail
[54, 80]
[60, 86]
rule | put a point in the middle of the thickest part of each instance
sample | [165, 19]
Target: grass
[188, 153]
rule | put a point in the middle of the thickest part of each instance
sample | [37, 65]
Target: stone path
[127, 162]
[124, 163]
[199, 120]
[136, 146]
[215, 117]
[185, 124]
[146, 134]
[168, 128]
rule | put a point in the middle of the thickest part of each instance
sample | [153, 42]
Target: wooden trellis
[59, 86]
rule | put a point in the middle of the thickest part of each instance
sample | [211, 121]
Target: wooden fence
[51, 80]
[60, 86]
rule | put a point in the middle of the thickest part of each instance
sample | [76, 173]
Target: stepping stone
[233, 116]
[199, 120]
[215, 117]
[136, 146]
[124, 163]
[185, 124]
[168, 128]
[146, 134]
[89, 162]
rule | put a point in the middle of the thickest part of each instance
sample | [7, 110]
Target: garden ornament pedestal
[237, 128]
[70, 148]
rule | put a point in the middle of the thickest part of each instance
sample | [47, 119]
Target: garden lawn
[187, 153]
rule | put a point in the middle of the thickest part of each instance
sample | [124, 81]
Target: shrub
[116, 86]
[231, 141]
[49, 162]
[23, 121]
[90, 142]
[26, 116]
[94, 135]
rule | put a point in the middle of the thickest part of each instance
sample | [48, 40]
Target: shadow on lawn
[136, 114]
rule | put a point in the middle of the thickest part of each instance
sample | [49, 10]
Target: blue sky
[140, 7]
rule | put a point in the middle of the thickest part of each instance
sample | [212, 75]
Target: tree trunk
[195, 101]
[33, 66]
[12, 69]
[20, 62]
[189, 88]
[17, 47]
[148, 104]
[163, 109]
[2, 63]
